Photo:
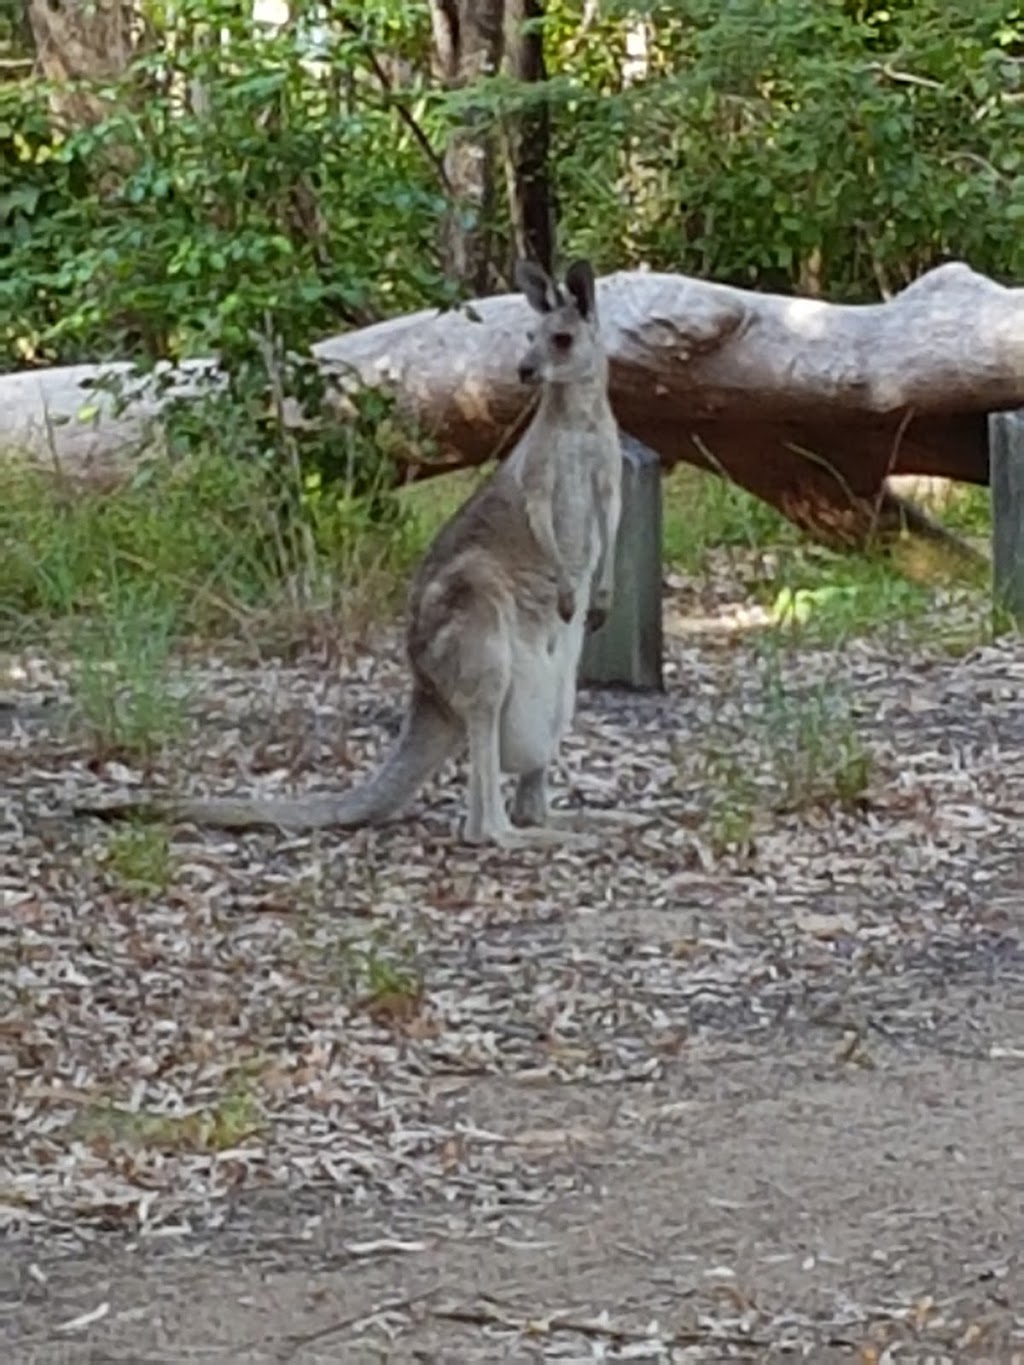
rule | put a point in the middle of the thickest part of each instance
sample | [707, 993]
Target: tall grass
[206, 547]
[205, 540]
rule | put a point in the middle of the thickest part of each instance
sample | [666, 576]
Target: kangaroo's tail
[428, 737]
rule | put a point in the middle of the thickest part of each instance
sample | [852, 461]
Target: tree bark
[468, 46]
[533, 211]
[81, 44]
[811, 406]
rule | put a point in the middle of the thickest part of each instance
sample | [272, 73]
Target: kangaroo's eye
[561, 341]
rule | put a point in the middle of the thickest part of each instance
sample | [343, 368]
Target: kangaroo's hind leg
[509, 727]
[487, 820]
[531, 807]
[472, 659]
[539, 733]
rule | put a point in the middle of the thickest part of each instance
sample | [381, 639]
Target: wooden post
[1006, 481]
[627, 650]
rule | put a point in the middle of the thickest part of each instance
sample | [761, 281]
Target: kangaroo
[500, 604]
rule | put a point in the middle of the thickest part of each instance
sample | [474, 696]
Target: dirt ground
[789, 1202]
[653, 1104]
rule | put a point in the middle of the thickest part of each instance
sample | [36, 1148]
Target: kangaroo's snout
[527, 372]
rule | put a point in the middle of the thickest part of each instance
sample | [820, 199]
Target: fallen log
[811, 406]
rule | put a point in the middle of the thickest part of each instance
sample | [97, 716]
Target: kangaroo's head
[565, 346]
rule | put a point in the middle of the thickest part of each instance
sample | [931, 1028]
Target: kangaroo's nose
[527, 372]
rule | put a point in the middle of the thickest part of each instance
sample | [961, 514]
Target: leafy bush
[243, 170]
[235, 175]
[835, 147]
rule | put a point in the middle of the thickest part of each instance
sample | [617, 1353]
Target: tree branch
[394, 101]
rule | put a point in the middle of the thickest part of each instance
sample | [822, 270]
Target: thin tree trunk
[16, 45]
[533, 211]
[468, 46]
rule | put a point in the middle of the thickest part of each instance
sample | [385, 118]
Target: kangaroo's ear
[580, 282]
[541, 292]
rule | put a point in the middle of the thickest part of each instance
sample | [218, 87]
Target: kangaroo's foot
[532, 836]
[530, 808]
[596, 817]
[545, 836]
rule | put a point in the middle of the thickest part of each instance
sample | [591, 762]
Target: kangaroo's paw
[566, 602]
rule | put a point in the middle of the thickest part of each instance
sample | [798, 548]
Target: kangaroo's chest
[574, 519]
[577, 456]
[581, 490]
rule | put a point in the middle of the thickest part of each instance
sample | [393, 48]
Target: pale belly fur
[541, 699]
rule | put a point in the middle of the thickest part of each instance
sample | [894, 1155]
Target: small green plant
[815, 753]
[818, 757]
[828, 599]
[383, 975]
[377, 974]
[228, 1122]
[732, 815]
[968, 511]
[818, 596]
[139, 857]
[391, 989]
[123, 699]
[798, 750]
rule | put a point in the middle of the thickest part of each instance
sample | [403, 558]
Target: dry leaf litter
[303, 1013]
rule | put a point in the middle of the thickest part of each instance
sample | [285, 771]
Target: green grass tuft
[703, 512]
[799, 750]
[124, 702]
[139, 858]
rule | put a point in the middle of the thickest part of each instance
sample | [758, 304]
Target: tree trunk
[811, 406]
[468, 45]
[533, 212]
[82, 44]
